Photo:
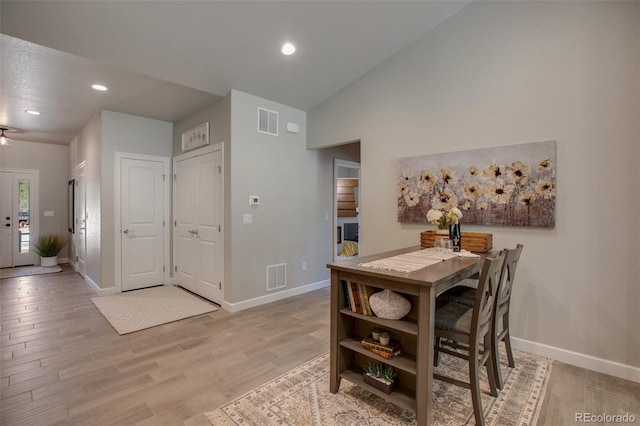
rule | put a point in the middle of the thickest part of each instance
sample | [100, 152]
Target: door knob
[125, 231]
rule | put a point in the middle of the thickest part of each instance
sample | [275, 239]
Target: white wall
[502, 73]
[88, 146]
[52, 161]
[289, 224]
[295, 189]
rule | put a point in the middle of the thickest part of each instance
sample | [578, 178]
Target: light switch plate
[48, 212]
[247, 218]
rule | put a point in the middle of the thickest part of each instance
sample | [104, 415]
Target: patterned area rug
[302, 397]
[149, 307]
[25, 271]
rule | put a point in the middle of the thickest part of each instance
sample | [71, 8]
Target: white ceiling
[168, 59]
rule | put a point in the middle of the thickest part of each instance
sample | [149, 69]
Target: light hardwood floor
[62, 363]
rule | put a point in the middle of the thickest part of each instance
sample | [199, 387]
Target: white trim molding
[263, 300]
[605, 366]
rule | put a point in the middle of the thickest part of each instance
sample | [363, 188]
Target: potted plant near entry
[47, 247]
[380, 377]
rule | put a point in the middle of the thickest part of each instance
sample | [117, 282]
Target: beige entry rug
[302, 397]
[25, 271]
[140, 309]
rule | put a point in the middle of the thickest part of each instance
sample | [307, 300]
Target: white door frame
[349, 165]
[117, 219]
[34, 219]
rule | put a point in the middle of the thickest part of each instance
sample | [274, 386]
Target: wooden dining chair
[465, 332]
[465, 295]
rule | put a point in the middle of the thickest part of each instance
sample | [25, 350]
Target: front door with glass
[18, 195]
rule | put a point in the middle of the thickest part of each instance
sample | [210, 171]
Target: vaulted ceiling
[168, 59]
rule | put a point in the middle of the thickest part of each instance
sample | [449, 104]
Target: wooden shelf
[404, 362]
[403, 325]
[402, 397]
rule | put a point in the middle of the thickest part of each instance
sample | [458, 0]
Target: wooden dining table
[415, 331]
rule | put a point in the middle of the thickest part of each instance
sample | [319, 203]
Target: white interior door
[81, 220]
[142, 223]
[198, 236]
[8, 220]
[19, 214]
[186, 258]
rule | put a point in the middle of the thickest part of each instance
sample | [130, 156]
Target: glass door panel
[24, 215]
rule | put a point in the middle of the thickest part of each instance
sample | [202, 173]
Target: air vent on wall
[276, 276]
[267, 122]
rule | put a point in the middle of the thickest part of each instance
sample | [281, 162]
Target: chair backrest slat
[486, 293]
[508, 275]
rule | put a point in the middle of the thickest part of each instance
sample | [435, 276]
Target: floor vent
[276, 276]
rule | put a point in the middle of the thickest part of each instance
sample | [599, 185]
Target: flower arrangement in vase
[444, 220]
[450, 220]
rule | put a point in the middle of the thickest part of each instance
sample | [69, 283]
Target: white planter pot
[49, 261]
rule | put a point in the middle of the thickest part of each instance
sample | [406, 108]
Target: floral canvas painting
[509, 185]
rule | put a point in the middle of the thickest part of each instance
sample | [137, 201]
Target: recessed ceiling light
[288, 49]
[99, 87]
[32, 112]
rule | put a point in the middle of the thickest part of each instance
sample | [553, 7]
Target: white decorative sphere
[389, 305]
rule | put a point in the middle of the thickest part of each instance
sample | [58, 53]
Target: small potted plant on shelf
[47, 247]
[384, 338]
[375, 333]
[380, 377]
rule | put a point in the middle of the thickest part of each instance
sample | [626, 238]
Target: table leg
[334, 375]
[424, 356]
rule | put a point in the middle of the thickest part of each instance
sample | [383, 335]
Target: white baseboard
[73, 265]
[261, 300]
[109, 291]
[101, 291]
[92, 284]
[589, 362]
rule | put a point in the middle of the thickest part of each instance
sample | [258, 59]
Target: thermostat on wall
[254, 200]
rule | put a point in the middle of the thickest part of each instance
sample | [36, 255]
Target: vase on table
[454, 235]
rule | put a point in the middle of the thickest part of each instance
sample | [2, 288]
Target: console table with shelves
[415, 331]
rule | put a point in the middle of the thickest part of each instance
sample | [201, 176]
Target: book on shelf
[368, 291]
[356, 297]
[352, 303]
[361, 293]
[347, 300]
[385, 351]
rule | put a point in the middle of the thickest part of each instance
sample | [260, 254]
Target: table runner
[410, 262]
